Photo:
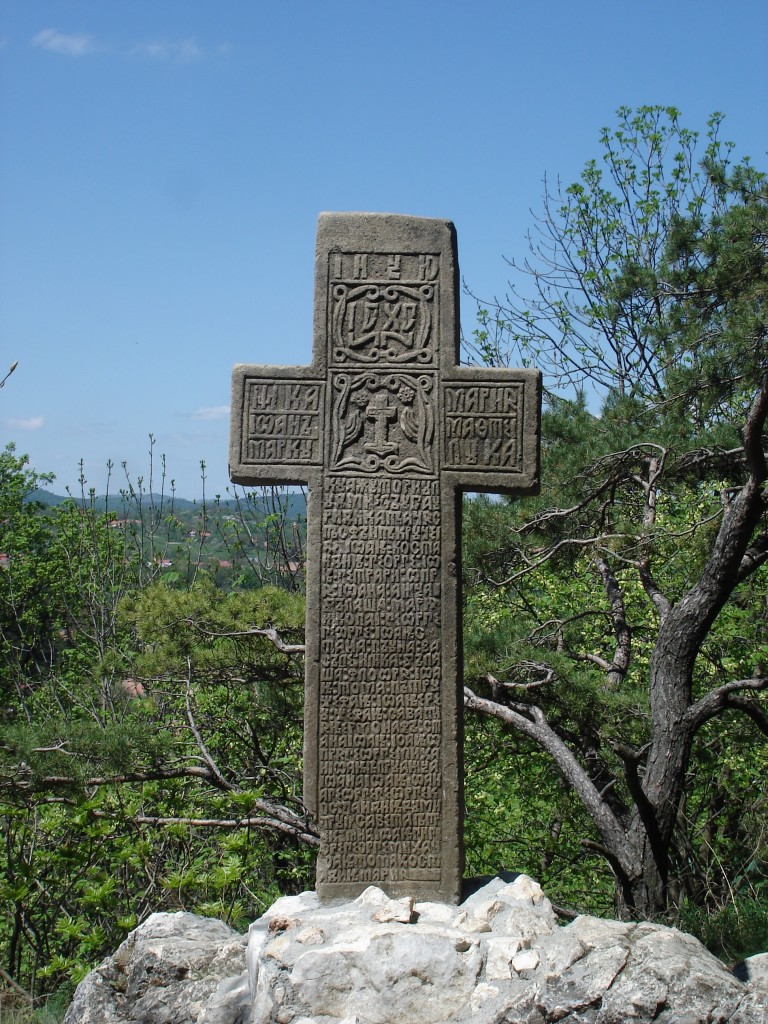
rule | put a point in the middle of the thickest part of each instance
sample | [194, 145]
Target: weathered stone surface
[173, 969]
[386, 428]
[308, 963]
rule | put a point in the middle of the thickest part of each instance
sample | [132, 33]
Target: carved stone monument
[386, 429]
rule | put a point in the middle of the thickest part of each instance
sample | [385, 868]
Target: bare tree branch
[298, 829]
[538, 729]
[220, 780]
[618, 667]
[270, 634]
[23, 781]
[566, 542]
[753, 432]
[3, 973]
[725, 698]
[755, 556]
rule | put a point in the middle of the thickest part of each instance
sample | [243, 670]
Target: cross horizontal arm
[276, 425]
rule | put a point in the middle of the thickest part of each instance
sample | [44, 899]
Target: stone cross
[386, 429]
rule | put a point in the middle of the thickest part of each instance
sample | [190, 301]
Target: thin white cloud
[68, 44]
[216, 412]
[33, 423]
[182, 51]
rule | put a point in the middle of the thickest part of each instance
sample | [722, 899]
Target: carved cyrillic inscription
[383, 307]
[282, 422]
[383, 421]
[380, 723]
[483, 426]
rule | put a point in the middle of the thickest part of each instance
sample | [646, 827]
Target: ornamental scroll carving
[383, 421]
[383, 323]
[383, 308]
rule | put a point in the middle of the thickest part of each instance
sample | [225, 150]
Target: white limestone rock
[754, 970]
[173, 968]
[500, 957]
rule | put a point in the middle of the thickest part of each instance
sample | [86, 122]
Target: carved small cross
[382, 413]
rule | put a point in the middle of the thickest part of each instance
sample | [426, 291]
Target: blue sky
[163, 163]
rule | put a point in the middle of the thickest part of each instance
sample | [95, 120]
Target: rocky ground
[499, 958]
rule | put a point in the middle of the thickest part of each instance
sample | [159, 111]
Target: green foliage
[659, 233]
[624, 609]
[29, 623]
[521, 817]
[735, 931]
[150, 739]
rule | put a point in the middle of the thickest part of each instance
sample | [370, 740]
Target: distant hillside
[118, 503]
[45, 497]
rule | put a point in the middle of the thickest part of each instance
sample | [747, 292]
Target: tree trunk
[643, 895]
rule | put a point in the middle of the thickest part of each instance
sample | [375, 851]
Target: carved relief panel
[383, 308]
[383, 422]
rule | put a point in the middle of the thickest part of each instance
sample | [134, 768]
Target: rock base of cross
[501, 955]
